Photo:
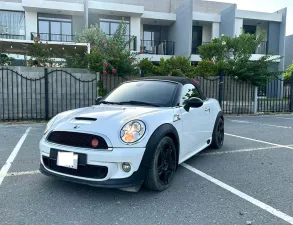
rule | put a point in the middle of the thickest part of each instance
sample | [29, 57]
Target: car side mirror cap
[98, 99]
[193, 103]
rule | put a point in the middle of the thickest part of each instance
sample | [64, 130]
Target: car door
[194, 122]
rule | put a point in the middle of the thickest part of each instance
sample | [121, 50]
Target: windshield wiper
[110, 103]
[139, 103]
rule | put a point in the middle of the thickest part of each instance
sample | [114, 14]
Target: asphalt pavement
[248, 181]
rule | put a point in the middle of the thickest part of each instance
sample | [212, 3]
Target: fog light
[126, 167]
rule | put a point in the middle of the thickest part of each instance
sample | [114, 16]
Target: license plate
[67, 159]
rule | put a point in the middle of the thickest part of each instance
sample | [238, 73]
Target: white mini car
[138, 134]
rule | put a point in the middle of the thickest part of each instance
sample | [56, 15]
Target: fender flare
[220, 115]
[157, 135]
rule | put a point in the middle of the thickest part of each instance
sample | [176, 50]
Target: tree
[174, 66]
[232, 56]
[4, 59]
[109, 54]
[40, 54]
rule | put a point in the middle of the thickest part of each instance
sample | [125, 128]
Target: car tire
[218, 134]
[162, 166]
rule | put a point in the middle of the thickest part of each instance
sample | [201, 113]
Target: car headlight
[132, 131]
[49, 124]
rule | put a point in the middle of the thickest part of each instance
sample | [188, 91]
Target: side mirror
[98, 99]
[193, 103]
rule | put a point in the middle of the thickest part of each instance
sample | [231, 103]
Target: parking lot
[248, 181]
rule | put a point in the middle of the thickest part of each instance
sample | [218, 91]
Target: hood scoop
[85, 118]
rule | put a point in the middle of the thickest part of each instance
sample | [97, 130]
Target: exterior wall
[209, 6]
[215, 30]
[135, 30]
[78, 24]
[273, 37]
[238, 26]
[206, 33]
[227, 25]
[31, 23]
[183, 29]
[282, 37]
[289, 51]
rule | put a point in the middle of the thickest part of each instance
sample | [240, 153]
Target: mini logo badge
[75, 127]
[95, 143]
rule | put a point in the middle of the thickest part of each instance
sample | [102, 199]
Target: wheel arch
[162, 131]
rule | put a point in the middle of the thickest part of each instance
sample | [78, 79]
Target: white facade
[155, 23]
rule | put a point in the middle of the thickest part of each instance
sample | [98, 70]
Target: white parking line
[238, 151]
[12, 156]
[242, 195]
[265, 142]
[262, 124]
[285, 118]
[12, 174]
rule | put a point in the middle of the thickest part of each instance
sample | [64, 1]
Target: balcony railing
[158, 47]
[262, 48]
[196, 44]
[52, 37]
[12, 36]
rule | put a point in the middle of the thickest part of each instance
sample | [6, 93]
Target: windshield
[158, 93]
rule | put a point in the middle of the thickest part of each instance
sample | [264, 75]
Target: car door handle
[207, 109]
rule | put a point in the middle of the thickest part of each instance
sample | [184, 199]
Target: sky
[267, 6]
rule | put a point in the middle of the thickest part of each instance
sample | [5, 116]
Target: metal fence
[239, 97]
[234, 95]
[24, 98]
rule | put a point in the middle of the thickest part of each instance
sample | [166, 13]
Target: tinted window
[188, 91]
[155, 92]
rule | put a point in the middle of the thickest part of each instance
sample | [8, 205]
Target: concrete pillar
[227, 26]
[86, 13]
[238, 26]
[215, 30]
[31, 23]
[135, 30]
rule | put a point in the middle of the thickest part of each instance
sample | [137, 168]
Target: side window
[188, 91]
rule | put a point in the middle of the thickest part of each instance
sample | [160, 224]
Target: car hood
[109, 119]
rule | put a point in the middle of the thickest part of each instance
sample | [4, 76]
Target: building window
[249, 29]
[55, 27]
[12, 23]
[109, 26]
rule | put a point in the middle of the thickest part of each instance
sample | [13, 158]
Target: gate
[24, 98]
[63, 91]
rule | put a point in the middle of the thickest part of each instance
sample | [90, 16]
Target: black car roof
[180, 80]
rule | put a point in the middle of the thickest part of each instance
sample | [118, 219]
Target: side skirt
[196, 150]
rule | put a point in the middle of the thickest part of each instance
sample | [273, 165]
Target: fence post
[221, 88]
[46, 95]
[255, 99]
[291, 93]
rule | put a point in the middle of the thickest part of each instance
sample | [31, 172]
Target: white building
[162, 27]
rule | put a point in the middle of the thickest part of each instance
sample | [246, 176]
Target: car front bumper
[102, 168]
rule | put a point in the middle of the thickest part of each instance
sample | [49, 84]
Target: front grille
[83, 170]
[76, 139]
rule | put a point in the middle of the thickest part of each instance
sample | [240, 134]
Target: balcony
[12, 36]
[262, 48]
[157, 47]
[195, 45]
[52, 37]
